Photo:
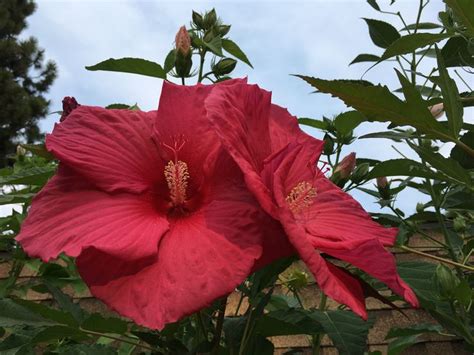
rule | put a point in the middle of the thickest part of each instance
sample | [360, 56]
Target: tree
[24, 79]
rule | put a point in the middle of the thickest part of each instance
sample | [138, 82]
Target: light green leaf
[313, 123]
[422, 26]
[215, 45]
[32, 176]
[131, 65]
[232, 48]
[402, 167]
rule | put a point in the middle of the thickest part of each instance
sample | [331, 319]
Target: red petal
[69, 215]
[202, 258]
[112, 148]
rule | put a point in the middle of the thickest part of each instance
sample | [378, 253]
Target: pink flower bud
[183, 41]
[69, 104]
[437, 110]
[382, 182]
[346, 166]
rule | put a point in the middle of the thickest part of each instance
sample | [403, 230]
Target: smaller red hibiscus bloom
[69, 104]
[279, 164]
[155, 210]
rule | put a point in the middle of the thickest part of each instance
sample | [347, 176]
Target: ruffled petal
[201, 258]
[112, 148]
[69, 215]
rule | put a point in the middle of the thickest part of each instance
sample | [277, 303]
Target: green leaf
[393, 135]
[456, 53]
[346, 122]
[65, 302]
[402, 167]
[410, 43]
[98, 323]
[215, 45]
[460, 155]
[463, 293]
[422, 26]
[13, 314]
[464, 10]
[382, 34]
[452, 106]
[374, 4]
[15, 198]
[397, 346]
[287, 322]
[131, 65]
[377, 103]
[170, 61]
[58, 332]
[364, 57]
[323, 125]
[232, 48]
[51, 314]
[414, 330]
[419, 275]
[448, 167]
[31, 176]
[347, 331]
[117, 107]
[86, 349]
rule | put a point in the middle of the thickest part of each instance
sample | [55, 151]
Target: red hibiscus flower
[155, 210]
[279, 164]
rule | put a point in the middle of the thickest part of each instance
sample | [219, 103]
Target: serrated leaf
[377, 103]
[382, 33]
[419, 275]
[452, 106]
[13, 314]
[130, 65]
[365, 57]
[31, 176]
[347, 331]
[232, 48]
[411, 42]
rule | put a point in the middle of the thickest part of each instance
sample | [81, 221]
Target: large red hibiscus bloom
[155, 210]
[279, 164]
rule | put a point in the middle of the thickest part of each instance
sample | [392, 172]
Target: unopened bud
[459, 224]
[437, 110]
[382, 182]
[446, 280]
[69, 104]
[346, 166]
[183, 41]
[210, 19]
[224, 66]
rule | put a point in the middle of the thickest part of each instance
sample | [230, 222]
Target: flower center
[177, 176]
[301, 197]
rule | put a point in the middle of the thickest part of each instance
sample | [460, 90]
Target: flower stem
[137, 344]
[434, 257]
[317, 339]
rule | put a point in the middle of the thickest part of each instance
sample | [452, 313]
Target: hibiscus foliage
[204, 225]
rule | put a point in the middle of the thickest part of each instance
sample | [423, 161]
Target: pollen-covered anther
[177, 176]
[301, 197]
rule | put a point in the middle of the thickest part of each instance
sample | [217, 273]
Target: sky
[317, 38]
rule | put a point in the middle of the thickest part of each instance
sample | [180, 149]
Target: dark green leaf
[397, 346]
[232, 48]
[410, 43]
[117, 107]
[12, 314]
[374, 4]
[456, 54]
[402, 167]
[31, 176]
[377, 103]
[347, 331]
[393, 135]
[51, 314]
[452, 105]
[287, 322]
[460, 155]
[65, 302]
[58, 332]
[382, 34]
[15, 198]
[346, 122]
[414, 330]
[98, 323]
[419, 275]
[463, 293]
[86, 349]
[464, 10]
[131, 65]
[323, 125]
[422, 26]
[169, 61]
[365, 58]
